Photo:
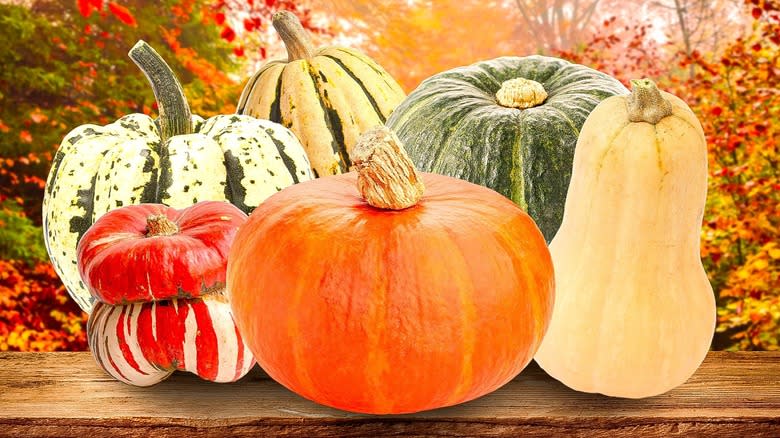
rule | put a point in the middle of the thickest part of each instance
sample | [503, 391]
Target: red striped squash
[158, 274]
[396, 301]
[161, 252]
[143, 343]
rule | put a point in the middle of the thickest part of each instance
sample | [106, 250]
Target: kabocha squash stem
[521, 93]
[387, 178]
[295, 38]
[645, 104]
[175, 117]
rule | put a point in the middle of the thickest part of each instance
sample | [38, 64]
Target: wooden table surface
[66, 394]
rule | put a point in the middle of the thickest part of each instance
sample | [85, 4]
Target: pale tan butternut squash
[634, 312]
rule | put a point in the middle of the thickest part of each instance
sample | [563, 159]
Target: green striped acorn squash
[327, 96]
[177, 160]
[509, 124]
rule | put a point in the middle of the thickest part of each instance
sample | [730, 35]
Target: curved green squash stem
[175, 117]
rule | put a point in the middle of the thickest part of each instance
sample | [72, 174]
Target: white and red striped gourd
[143, 343]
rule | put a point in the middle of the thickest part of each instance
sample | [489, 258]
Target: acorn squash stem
[175, 117]
[645, 103]
[295, 38]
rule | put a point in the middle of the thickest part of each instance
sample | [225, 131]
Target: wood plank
[66, 394]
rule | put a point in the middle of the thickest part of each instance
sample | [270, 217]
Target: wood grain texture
[66, 394]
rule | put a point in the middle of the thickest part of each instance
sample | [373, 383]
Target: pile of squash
[395, 256]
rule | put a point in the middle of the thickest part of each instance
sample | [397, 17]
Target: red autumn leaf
[122, 13]
[756, 13]
[716, 111]
[219, 17]
[84, 8]
[263, 52]
[228, 34]
[756, 47]
[87, 6]
[248, 25]
[270, 3]
[238, 51]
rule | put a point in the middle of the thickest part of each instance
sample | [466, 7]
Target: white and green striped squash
[328, 97]
[177, 160]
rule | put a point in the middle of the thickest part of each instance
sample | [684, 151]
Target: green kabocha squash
[509, 124]
[327, 97]
[177, 160]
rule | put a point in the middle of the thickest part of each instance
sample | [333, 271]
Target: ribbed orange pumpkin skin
[378, 311]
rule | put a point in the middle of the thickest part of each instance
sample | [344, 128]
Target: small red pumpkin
[398, 303]
[158, 274]
[152, 252]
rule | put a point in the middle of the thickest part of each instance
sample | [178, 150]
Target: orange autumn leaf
[38, 117]
[25, 136]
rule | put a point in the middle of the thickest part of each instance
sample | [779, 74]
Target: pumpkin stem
[295, 38]
[387, 178]
[160, 225]
[521, 93]
[645, 103]
[175, 117]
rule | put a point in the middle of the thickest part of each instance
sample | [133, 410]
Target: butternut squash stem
[175, 116]
[160, 225]
[646, 103]
[387, 178]
[294, 36]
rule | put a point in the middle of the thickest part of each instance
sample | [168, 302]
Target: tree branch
[530, 24]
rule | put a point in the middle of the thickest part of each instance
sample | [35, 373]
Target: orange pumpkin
[416, 302]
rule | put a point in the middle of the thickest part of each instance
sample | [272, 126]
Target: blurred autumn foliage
[65, 65]
[36, 314]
